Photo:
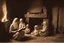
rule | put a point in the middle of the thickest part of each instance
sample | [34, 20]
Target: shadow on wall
[50, 26]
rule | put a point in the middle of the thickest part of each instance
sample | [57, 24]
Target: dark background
[17, 8]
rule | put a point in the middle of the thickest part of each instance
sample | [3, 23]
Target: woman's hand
[16, 34]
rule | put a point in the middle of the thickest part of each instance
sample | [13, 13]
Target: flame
[4, 9]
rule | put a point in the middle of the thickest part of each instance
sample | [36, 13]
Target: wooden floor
[56, 38]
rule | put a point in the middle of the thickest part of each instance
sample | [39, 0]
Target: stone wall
[61, 19]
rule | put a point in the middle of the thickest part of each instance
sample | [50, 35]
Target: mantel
[35, 15]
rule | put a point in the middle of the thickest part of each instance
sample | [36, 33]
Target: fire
[4, 9]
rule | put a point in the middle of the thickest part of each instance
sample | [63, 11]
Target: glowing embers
[4, 9]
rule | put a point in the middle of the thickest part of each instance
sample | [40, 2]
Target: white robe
[21, 25]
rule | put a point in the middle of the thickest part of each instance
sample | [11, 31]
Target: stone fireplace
[35, 18]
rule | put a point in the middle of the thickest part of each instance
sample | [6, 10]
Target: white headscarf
[14, 24]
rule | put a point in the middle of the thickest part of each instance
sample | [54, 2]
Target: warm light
[4, 9]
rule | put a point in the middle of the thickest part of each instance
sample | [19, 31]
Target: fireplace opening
[34, 21]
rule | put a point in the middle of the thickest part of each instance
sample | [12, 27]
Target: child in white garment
[36, 31]
[27, 30]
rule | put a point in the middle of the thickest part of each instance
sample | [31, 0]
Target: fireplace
[35, 19]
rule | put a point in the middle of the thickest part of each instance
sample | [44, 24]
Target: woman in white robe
[43, 31]
[21, 24]
[14, 28]
[21, 29]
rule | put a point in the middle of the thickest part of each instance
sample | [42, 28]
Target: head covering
[15, 19]
[15, 23]
[21, 24]
[35, 26]
[21, 20]
[27, 25]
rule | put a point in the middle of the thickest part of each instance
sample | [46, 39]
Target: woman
[14, 28]
[21, 29]
[43, 31]
[21, 25]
